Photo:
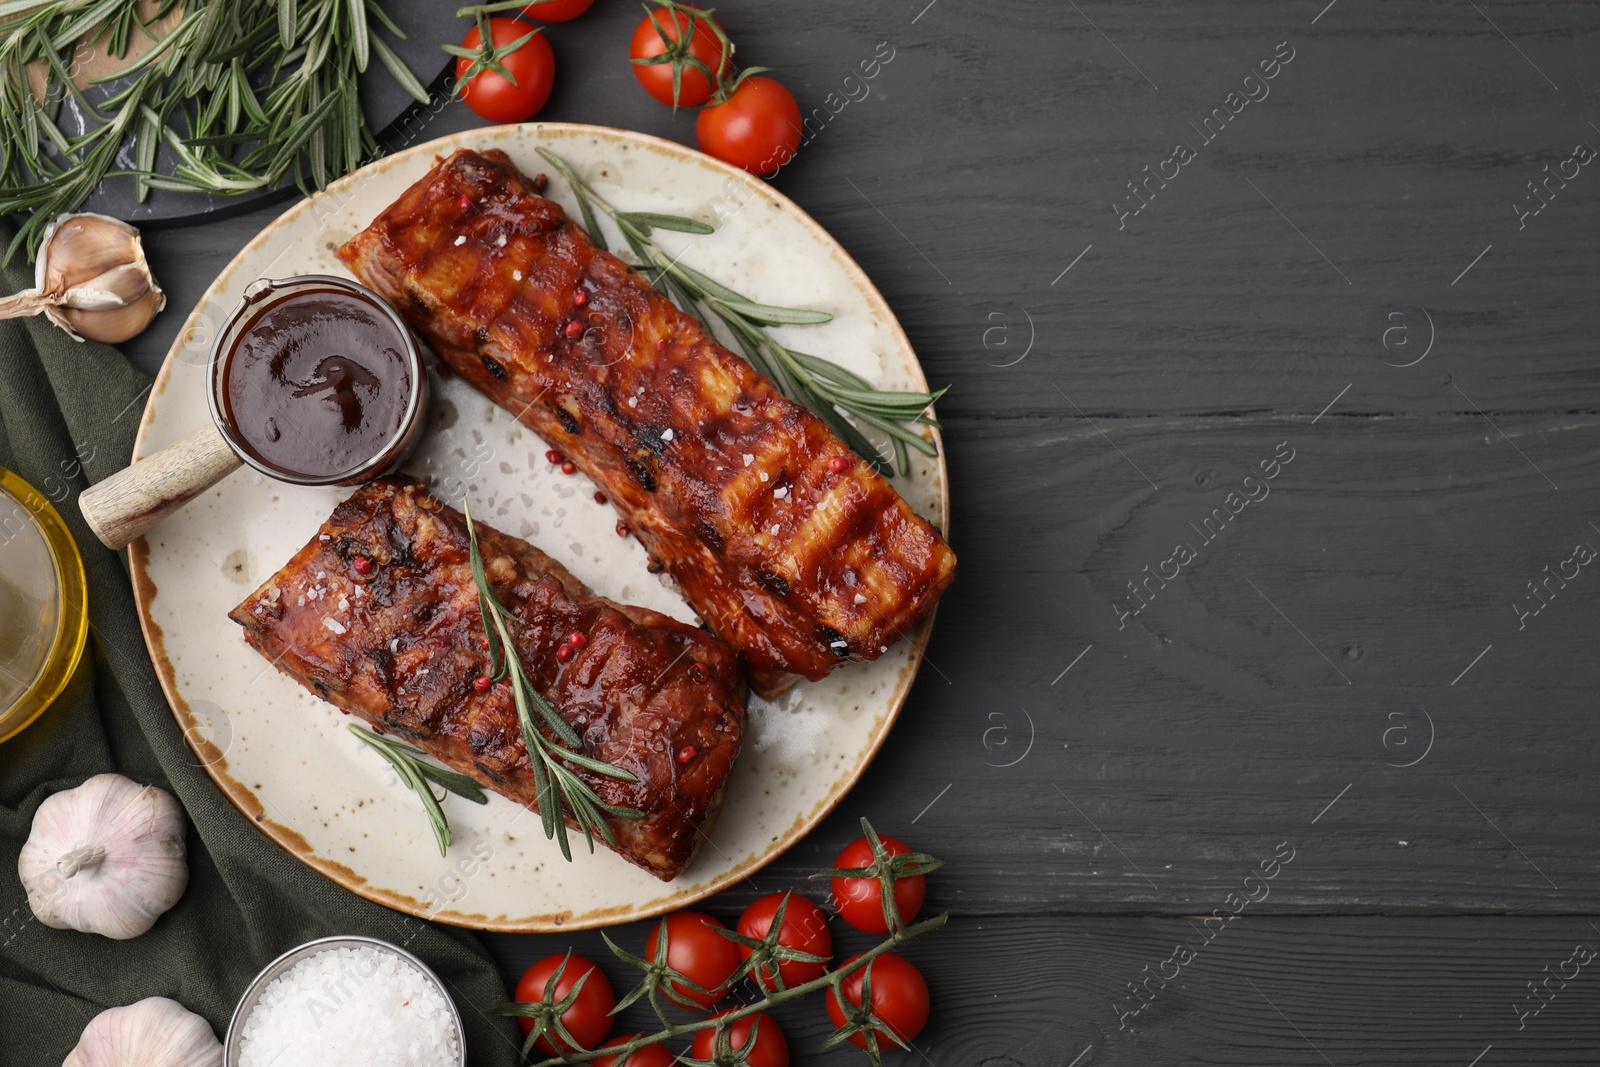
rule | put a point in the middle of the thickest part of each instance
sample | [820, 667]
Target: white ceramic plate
[286, 759]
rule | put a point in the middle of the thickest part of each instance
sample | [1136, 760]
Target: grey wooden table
[1272, 430]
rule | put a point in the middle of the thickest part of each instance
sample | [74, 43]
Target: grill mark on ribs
[406, 645]
[681, 435]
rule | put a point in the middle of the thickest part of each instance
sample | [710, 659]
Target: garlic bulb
[105, 858]
[91, 280]
[155, 1032]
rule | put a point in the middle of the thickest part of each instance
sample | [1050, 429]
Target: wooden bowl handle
[128, 503]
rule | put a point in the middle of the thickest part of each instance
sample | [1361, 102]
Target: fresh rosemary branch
[243, 93]
[559, 788]
[830, 391]
[658, 976]
[417, 774]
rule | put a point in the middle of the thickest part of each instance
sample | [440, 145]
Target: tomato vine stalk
[660, 977]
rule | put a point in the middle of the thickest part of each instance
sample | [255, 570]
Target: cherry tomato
[770, 1050]
[589, 1018]
[899, 998]
[859, 901]
[533, 65]
[757, 128]
[805, 928]
[696, 951]
[556, 10]
[649, 1056]
[694, 88]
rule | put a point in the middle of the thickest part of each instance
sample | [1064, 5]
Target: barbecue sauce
[317, 384]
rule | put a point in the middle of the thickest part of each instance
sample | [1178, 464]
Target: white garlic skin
[105, 858]
[155, 1032]
[93, 280]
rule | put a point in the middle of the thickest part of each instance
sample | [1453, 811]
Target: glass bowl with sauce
[316, 380]
[313, 380]
[43, 620]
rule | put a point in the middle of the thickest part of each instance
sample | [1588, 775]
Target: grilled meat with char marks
[398, 641]
[789, 546]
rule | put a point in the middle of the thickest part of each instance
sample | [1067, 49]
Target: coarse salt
[781, 492]
[333, 624]
[517, 275]
[351, 1005]
[666, 435]
[500, 242]
[461, 240]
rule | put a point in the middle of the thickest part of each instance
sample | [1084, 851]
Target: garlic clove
[105, 858]
[92, 280]
[78, 247]
[155, 1032]
[117, 324]
[119, 286]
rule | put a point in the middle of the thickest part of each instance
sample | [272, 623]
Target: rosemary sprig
[830, 391]
[858, 1017]
[244, 94]
[559, 789]
[417, 774]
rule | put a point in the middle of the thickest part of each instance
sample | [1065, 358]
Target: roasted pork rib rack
[397, 640]
[790, 547]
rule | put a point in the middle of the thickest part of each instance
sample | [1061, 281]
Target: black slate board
[1180, 749]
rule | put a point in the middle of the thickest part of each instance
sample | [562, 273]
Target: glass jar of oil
[42, 604]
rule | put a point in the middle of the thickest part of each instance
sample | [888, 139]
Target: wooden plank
[1396, 142]
[1050, 992]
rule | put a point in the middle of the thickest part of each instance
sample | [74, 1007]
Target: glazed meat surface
[401, 644]
[790, 547]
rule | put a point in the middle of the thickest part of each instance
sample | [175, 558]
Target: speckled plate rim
[243, 798]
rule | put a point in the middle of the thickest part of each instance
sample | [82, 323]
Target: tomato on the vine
[770, 1048]
[696, 951]
[758, 127]
[899, 998]
[698, 64]
[533, 65]
[805, 929]
[649, 1056]
[589, 1018]
[556, 10]
[859, 901]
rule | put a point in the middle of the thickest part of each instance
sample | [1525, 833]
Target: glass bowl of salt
[346, 1000]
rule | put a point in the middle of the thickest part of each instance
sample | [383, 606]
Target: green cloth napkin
[247, 900]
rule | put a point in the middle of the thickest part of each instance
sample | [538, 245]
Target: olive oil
[42, 604]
